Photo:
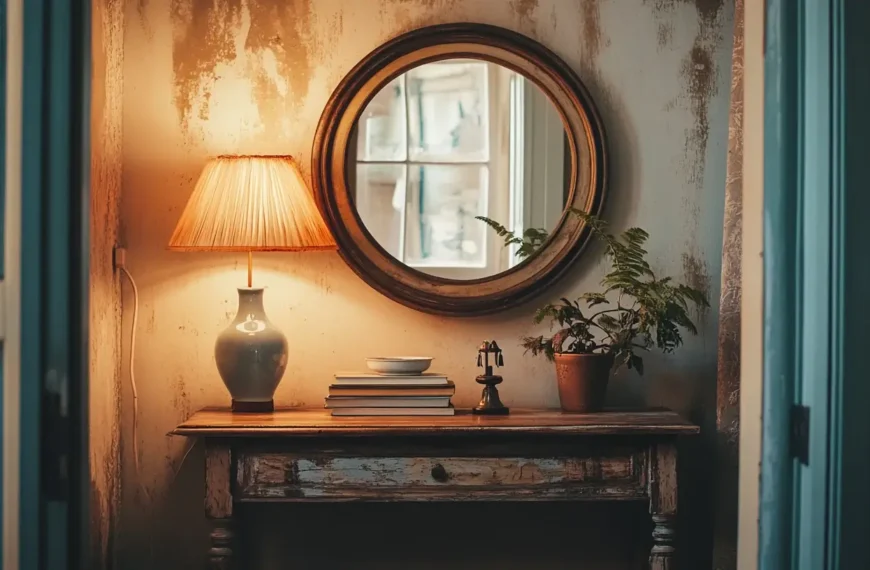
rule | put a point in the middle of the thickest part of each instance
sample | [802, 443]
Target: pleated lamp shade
[251, 203]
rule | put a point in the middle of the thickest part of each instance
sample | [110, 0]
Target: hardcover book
[449, 411]
[395, 390]
[362, 402]
[390, 380]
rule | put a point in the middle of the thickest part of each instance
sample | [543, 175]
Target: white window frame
[450, 270]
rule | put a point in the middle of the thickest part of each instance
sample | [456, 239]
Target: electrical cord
[176, 471]
[135, 391]
[132, 371]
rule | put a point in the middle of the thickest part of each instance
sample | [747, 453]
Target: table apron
[277, 476]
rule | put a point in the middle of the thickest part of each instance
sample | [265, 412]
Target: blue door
[48, 98]
[815, 501]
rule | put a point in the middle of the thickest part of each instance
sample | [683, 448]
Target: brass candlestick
[490, 403]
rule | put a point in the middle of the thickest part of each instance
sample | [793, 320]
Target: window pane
[380, 201]
[440, 229]
[381, 126]
[448, 111]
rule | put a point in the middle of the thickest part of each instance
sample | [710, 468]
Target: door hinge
[2, 310]
[800, 433]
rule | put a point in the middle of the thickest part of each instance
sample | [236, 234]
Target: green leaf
[546, 312]
[608, 323]
[593, 299]
[649, 312]
[539, 345]
[530, 242]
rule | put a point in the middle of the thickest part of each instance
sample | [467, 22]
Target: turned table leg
[219, 505]
[663, 504]
[220, 553]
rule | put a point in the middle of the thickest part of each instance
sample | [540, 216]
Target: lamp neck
[250, 302]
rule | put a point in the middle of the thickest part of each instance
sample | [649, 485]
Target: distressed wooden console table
[307, 455]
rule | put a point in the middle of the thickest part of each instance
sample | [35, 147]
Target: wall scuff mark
[699, 74]
[695, 274]
[260, 50]
[592, 38]
[180, 399]
[280, 49]
[665, 33]
[404, 15]
[427, 4]
[526, 11]
[709, 11]
[202, 37]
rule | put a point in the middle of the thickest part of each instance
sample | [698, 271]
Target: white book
[387, 402]
[393, 411]
[390, 380]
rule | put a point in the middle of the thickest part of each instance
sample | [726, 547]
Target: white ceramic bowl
[399, 364]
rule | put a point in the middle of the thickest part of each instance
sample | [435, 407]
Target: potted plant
[602, 331]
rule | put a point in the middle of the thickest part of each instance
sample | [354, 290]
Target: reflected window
[447, 142]
[424, 147]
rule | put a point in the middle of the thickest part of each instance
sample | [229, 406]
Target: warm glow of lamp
[251, 203]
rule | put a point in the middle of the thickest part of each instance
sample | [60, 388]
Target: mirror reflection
[448, 143]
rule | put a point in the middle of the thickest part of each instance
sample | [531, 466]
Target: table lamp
[248, 204]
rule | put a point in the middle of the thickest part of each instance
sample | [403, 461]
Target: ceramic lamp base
[251, 355]
[253, 407]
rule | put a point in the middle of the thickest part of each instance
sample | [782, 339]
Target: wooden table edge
[670, 424]
[445, 431]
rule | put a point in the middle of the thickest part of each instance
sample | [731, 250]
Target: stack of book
[390, 395]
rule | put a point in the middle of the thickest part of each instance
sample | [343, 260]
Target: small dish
[399, 364]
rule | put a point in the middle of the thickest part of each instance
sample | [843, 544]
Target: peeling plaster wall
[105, 297]
[203, 77]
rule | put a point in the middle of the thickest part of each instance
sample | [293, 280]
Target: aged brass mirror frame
[413, 288]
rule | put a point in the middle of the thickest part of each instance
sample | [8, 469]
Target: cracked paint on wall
[259, 52]
[699, 71]
[526, 12]
[405, 15]
[699, 75]
[592, 35]
[427, 4]
[665, 34]
[203, 36]
[708, 10]
[697, 276]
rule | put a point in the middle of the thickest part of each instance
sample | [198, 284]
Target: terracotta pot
[583, 381]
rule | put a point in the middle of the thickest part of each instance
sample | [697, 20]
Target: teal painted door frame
[780, 273]
[816, 516]
[54, 486]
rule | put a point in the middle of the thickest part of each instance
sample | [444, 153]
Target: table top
[221, 422]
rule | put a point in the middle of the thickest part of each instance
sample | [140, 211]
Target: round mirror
[447, 162]
[452, 153]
